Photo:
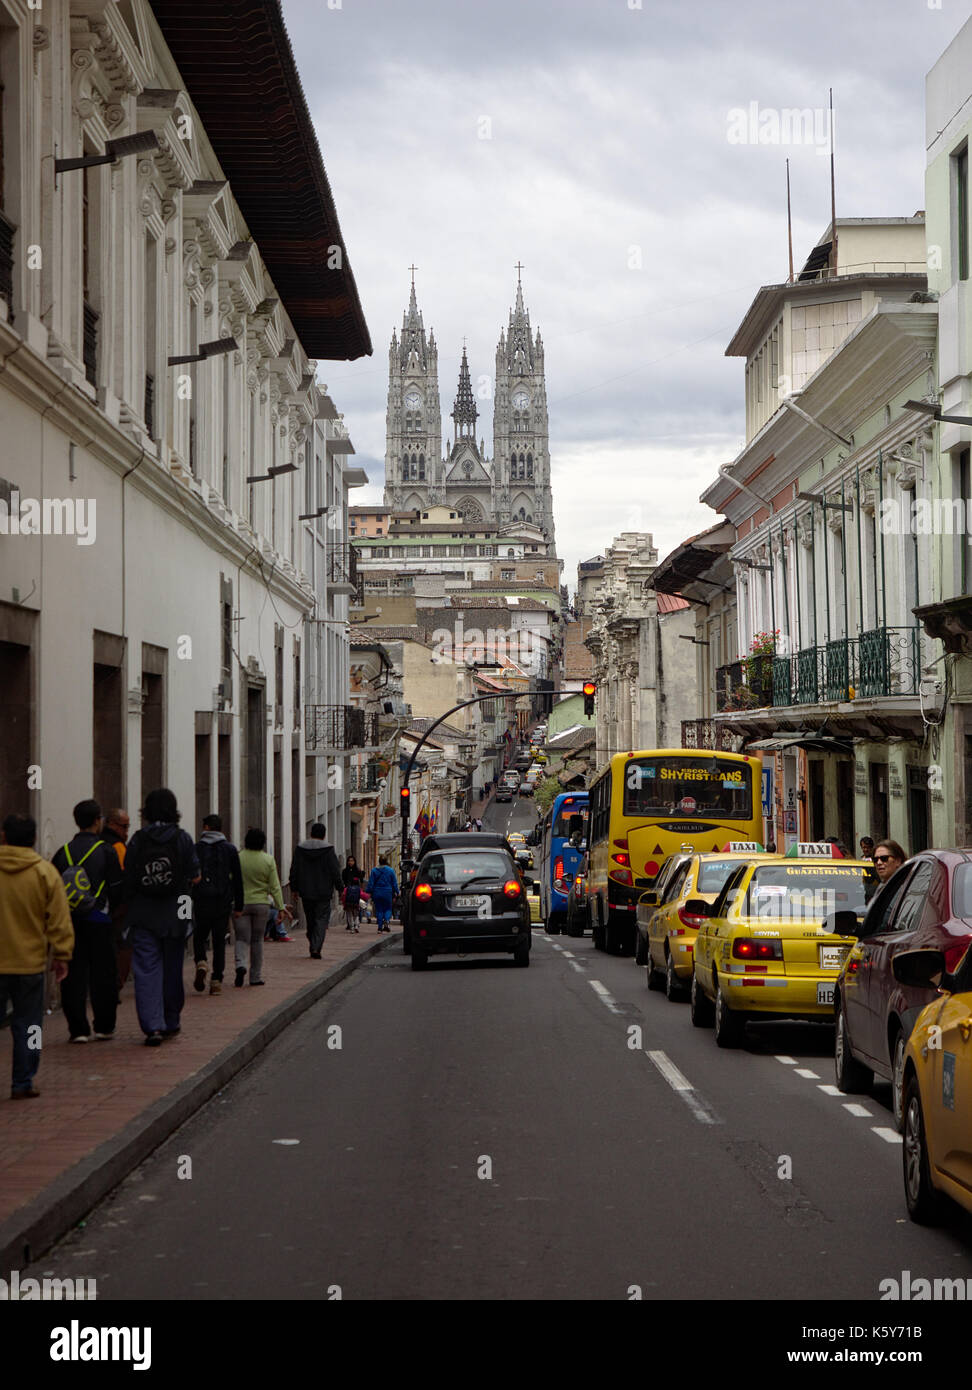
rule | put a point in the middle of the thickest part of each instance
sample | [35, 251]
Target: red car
[927, 904]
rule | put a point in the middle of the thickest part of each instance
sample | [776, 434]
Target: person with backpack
[161, 869]
[352, 878]
[92, 878]
[35, 921]
[115, 833]
[218, 893]
[261, 883]
[315, 874]
[383, 887]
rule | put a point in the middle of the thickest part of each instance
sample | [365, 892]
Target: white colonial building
[166, 641]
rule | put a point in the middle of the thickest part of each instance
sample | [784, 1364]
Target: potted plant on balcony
[759, 667]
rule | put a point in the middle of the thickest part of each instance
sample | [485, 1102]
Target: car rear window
[802, 893]
[712, 876]
[962, 891]
[456, 870]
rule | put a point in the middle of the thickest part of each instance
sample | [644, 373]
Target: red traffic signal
[590, 690]
[404, 797]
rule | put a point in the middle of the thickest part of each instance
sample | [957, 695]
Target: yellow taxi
[937, 1147]
[771, 946]
[667, 946]
[535, 906]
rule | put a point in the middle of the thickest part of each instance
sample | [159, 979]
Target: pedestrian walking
[352, 878]
[218, 893]
[115, 833]
[34, 919]
[383, 887]
[161, 869]
[261, 885]
[92, 878]
[315, 876]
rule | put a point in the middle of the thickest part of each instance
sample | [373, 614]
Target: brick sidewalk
[105, 1105]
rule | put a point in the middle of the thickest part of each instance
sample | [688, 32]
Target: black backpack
[216, 883]
[157, 872]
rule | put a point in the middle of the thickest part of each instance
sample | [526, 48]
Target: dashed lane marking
[700, 1108]
[890, 1136]
[806, 1072]
[576, 966]
[787, 1061]
[829, 1090]
[861, 1112]
[606, 998]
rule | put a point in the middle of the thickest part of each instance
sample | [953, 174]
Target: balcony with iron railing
[342, 572]
[882, 662]
[90, 343]
[364, 779]
[7, 230]
[709, 734]
[337, 727]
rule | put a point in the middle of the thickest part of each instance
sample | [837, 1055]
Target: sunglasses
[882, 858]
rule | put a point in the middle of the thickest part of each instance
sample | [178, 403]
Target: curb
[31, 1231]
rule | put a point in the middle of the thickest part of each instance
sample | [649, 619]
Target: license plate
[473, 902]
[825, 992]
[832, 957]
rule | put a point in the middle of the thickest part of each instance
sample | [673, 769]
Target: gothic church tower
[413, 426]
[521, 448]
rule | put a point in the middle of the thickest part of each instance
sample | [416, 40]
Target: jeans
[215, 919]
[26, 994]
[317, 912]
[94, 967]
[250, 926]
[159, 991]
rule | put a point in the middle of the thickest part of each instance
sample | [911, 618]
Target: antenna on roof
[833, 195]
[789, 222]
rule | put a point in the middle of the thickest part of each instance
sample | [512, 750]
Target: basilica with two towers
[513, 487]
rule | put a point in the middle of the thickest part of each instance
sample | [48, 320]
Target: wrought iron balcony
[838, 661]
[90, 344]
[782, 680]
[339, 727]
[7, 230]
[342, 571]
[149, 406]
[709, 733]
[890, 661]
[364, 779]
[808, 676]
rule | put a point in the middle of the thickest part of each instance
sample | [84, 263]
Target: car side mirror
[922, 969]
[650, 899]
[842, 923]
[698, 907]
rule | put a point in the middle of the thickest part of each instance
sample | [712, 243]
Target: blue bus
[563, 840]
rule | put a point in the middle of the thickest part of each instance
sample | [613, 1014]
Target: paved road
[485, 1132]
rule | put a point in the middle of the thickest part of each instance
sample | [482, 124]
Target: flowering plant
[759, 663]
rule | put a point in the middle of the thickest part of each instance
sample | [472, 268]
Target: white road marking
[576, 966]
[787, 1061]
[861, 1112]
[890, 1136]
[285, 1141]
[568, 955]
[810, 1075]
[607, 999]
[829, 1090]
[682, 1087]
[599, 988]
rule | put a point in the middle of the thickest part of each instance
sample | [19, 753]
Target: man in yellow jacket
[34, 917]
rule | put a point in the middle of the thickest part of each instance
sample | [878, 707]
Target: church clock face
[520, 400]
[413, 400]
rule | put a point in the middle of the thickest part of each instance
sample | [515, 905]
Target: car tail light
[688, 919]
[745, 948]
[621, 859]
[512, 888]
[621, 876]
[424, 890]
[559, 869]
[954, 953]
[620, 844]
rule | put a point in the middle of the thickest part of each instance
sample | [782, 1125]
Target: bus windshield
[693, 787]
[561, 826]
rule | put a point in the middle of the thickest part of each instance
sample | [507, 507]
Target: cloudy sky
[590, 139]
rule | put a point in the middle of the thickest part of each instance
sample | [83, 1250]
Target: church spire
[464, 412]
[413, 330]
[519, 347]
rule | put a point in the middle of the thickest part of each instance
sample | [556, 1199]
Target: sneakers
[170, 1032]
[285, 938]
[154, 1040]
[24, 1093]
[103, 1037]
[79, 1038]
[315, 955]
[216, 987]
[240, 976]
[199, 983]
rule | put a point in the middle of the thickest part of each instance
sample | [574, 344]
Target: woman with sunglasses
[887, 859]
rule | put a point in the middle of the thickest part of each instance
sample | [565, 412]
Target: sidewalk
[105, 1106]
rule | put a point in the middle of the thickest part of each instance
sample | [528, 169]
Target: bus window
[687, 786]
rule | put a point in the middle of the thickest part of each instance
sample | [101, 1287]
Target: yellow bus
[644, 806]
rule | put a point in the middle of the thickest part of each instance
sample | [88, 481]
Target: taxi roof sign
[814, 849]
[742, 847]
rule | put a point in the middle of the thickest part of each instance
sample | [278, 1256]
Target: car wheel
[674, 989]
[729, 1026]
[552, 925]
[924, 1203]
[897, 1079]
[654, 975]
[641, 948]
[852, 1076]
[420, 960]
[699, 1006]
[406, 940]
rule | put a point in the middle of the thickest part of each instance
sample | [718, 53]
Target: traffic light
[405, 798]
[590, 690]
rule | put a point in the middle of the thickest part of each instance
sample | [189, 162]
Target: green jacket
[261, 882]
